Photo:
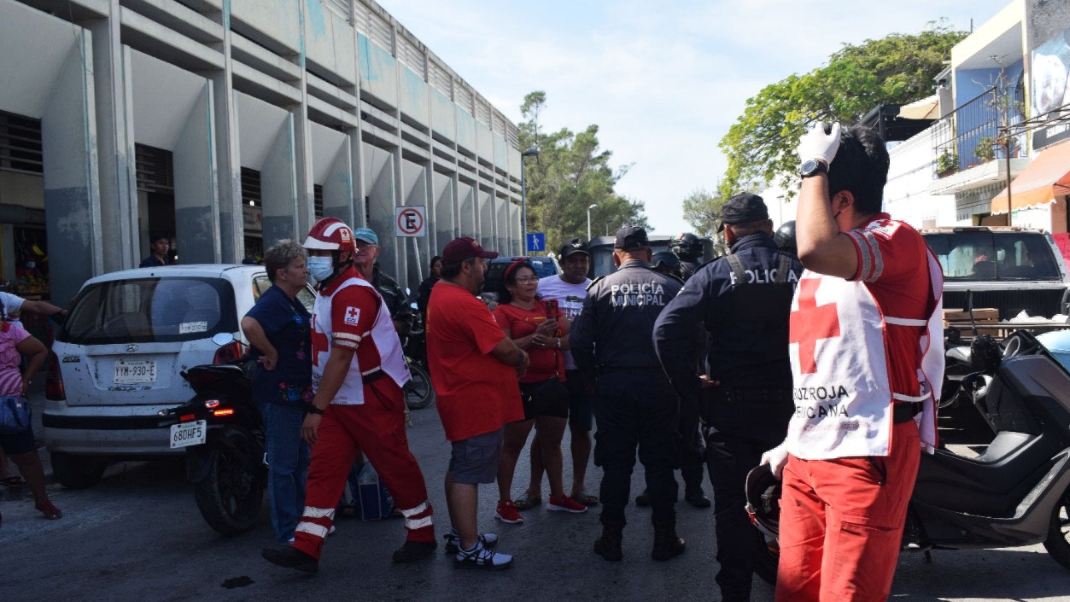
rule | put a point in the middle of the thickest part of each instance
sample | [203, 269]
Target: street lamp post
[531, 152]
[589, 222]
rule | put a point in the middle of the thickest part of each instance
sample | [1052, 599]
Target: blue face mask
[320, 268]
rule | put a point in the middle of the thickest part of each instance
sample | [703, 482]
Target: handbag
[14, 415]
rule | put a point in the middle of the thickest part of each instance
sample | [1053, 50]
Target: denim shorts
[19, 443]
[475, 459]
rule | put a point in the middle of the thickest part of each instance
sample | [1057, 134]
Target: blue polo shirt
[286, 323]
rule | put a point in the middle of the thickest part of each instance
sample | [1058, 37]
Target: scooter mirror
[223, 338]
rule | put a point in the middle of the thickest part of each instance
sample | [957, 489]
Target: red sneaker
[565, 504]
[507, 513]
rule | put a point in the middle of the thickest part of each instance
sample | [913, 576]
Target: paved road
[137, 536]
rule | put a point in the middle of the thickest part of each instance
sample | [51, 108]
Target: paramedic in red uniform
[358, 371]
[863, 359]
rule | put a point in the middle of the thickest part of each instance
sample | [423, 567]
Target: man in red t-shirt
[860, 337]
[474, 368]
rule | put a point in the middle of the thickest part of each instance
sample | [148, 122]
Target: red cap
[459, 249]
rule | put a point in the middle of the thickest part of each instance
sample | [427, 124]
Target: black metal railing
[970, 135]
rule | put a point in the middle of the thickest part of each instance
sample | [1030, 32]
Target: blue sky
[662, 80]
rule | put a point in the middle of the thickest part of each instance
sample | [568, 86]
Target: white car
[116, 362]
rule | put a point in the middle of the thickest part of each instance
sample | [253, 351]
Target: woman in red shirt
[536, 327]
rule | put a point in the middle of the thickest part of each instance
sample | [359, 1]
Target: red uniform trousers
[377, 427]
[841, 522]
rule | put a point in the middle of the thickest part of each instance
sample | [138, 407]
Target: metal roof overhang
[1041, 182]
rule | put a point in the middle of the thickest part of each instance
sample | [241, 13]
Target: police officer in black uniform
[688, 248]
[692, 449]
[634, 403]
[745, 398]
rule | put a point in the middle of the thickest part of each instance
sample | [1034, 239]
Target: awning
[1042, 181]
[926, 108]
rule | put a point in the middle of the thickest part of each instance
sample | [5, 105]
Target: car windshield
[146, 310]
[985, 256]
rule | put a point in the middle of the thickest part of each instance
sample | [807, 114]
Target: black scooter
[1016, 493]
[223, 434]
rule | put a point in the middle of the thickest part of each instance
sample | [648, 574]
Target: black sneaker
[292, 558]
[412, 551]
[453, 543]
[482, 558]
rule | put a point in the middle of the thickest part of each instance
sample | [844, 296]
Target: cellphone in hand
[551, 308]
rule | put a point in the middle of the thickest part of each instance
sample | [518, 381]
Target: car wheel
[231, 496]
[77, 472]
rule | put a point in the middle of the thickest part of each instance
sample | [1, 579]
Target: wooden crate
[987, 315]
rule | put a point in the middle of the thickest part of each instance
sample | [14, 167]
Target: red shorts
[841, 522]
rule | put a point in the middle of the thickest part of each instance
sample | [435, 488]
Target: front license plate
[138, 371]
[188, 433]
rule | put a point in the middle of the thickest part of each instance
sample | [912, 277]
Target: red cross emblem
[810, 323]
[352, 313]
[320, 344]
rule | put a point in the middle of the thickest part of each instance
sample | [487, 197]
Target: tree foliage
[702, 210]
[897, 69]
[571, 173]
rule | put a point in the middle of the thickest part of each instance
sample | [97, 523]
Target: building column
[72, 190]
[196, 192]
[278, 188]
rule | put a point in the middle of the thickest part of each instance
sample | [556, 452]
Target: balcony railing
[970, 135]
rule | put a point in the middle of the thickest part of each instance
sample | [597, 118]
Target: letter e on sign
[410, 221]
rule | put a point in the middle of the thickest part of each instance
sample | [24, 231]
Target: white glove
[776, 458]
[818, 145]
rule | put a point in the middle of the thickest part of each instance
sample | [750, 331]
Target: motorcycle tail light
[211, 404]
[229, 352]
[223, 412]
[54, 380]
[187, 417]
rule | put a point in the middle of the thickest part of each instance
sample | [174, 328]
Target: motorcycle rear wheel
[231, 496]
[418, 391]
[1058, 541]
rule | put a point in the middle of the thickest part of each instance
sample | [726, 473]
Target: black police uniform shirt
[745, 349]
[613, 331]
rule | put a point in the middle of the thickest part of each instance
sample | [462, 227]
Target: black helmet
[666, 263]
[686, 246]
[785, 237]
[763, 500]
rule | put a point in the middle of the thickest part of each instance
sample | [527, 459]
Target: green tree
[571, 173]
[897, 69]
[702, 209]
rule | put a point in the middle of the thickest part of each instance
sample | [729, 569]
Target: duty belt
[901, 412]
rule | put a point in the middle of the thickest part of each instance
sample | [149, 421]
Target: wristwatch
[813, 167]
[558, 342]
[312, 409]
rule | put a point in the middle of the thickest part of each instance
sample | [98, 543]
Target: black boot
[667, 544]
[696, 497]
[609, 545]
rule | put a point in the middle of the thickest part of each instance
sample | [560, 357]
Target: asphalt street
[137, 536]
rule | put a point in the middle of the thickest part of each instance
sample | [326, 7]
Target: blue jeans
[287, 460]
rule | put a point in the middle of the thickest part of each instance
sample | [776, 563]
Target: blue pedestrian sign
[536, 242]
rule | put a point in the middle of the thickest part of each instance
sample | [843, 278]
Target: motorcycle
[223, 434]
[418, 391]
[1015, 493]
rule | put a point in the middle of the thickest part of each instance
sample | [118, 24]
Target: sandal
[15, 481]
[49, 510]
[586, 498]
[526, 502]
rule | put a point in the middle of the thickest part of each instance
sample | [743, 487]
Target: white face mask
[320, 268]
